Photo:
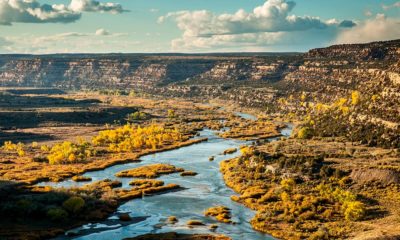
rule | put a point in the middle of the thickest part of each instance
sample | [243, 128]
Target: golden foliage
[12, 147]
[288, 184]
[352, 210]
[304, 133]
[171, 113]
[34, 145]
[247, 151]
[68, 152]
[150, 171]
[221, 213]
[355, 97]
[129, 137]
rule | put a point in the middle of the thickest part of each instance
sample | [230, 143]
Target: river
[200, 192]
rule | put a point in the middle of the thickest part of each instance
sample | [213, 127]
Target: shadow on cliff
[21, 102]
[38, 91]
[89, 115]
[23, 137]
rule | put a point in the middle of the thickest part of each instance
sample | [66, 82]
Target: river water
[200, 192]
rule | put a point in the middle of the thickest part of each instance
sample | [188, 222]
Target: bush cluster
[130, 137]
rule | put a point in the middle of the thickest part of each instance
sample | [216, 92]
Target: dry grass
[221, 213]
[143, 183]
[150, 171]
[369, 173]
[81, 179]
[252, 130]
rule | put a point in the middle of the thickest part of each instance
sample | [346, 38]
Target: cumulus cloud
[31, 11]
[272, 16]
[95, 6]
[268, 41]
[70, 42]
[226, 42]
[270, 24]
[377, 29]
[394, 5]
[347, 24]
[102, 32]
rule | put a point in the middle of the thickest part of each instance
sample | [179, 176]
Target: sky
[148, 26]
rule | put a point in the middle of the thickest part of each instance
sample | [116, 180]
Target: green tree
[74, 204]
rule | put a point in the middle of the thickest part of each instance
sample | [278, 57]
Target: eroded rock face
[248, 79]
[387, 50]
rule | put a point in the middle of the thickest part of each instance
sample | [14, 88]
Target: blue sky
[55, 26]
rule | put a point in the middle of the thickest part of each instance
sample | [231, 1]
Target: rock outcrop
[249, 79]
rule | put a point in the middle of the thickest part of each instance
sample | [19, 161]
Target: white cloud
[102, 32]
[225, 42]
[272, 16]
[70, 42]
[31, 11]
[394, 5]
[268, 25]
[377, 29]
[95, 6]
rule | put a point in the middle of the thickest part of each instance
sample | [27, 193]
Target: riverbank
[101, 201]
[318, 189]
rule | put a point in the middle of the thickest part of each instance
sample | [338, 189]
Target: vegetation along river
[207, 189]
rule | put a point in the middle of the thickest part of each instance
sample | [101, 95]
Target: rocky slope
[325, 72]
[134, 70]
[255, 80]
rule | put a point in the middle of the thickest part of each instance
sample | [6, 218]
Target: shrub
[321, 234]
[74, 204]
[171, 113]
[353, 210]
[129, 137]
[355, 97]
[137, 116]
[44, 148]
[247, 151]
[68, 152]
[327, 214]
[288, 184]
[57, 214]
[307, 215]
[12, 147]
[21, 153]
[304, 133]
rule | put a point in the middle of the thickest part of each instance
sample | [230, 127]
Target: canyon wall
[249, 79]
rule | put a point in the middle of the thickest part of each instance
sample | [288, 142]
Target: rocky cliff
[133, 71]
[250, 79]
